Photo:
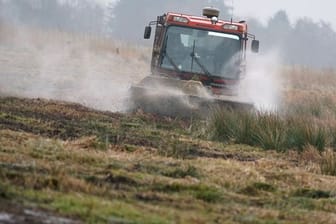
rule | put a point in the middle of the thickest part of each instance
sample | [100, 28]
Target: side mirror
[255, 46]
[148, 31]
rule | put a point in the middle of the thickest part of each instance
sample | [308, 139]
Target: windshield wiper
[171, 61]
[195, 57]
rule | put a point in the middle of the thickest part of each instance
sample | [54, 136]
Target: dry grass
[100, 167]
[308, 79]
[198, 181]
[306, 116]
[306, 122]
[36, 38]
[328, 162]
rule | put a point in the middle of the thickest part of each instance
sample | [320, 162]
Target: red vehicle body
[195, 28]
[196, 62]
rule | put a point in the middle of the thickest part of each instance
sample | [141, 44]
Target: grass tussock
[269, 130]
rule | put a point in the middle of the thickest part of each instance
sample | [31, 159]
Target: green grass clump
[268, 130]
[174, 147]
[92, 209]
[5, 191]
[208, 194]
[301, 132]
[182, 172]
[256, 188]
[311, 193]
[233, 126]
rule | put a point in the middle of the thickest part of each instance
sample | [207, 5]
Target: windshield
[201, 51]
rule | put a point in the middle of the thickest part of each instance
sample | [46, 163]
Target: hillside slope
[65, 160]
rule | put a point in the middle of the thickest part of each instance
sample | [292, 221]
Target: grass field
[71, 161]
[63, 162]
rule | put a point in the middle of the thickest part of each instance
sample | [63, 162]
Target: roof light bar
[180, 19]
[230, 27]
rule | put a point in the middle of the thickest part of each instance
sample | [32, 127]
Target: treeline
[124, 19]
[304, 43]
[68, 15]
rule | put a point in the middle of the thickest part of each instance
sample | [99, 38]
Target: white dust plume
[263, 82]
[93, 71]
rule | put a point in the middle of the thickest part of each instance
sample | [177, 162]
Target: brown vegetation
[65, 159]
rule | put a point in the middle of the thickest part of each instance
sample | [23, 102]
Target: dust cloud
[98, 72]
[93, 71]
[262, 84]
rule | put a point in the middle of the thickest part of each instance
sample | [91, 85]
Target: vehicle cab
[202, 48]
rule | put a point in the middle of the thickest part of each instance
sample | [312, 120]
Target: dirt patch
[114, 180]
[223, 155]
[14, 213]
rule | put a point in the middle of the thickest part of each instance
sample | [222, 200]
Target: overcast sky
[264, 9]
